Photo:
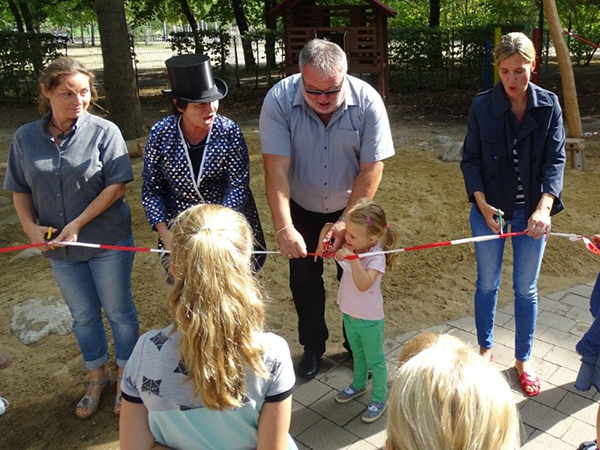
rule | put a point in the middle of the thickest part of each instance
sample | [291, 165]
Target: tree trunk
[434, 13]
[434, 22]
[122, 99]
[82, 31]
[242, 23]
[17, 14]
[566, 71]
[187, 12]
[92, 35]
[271, 24]
[27, 17]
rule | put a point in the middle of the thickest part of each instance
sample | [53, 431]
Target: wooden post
[497, 36]
[572, 116]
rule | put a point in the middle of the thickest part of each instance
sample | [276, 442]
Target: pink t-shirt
[366, 305]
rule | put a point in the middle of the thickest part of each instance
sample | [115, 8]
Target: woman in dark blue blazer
[513, 162]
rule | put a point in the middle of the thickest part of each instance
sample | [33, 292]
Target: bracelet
[342, 218]
[284, 228]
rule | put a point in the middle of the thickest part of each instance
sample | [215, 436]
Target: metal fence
[150, 53]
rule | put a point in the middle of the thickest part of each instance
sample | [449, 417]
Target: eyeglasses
[330, 92]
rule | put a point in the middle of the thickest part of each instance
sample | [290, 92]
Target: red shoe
[530, 384]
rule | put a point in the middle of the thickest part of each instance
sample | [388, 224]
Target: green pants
[366, 340]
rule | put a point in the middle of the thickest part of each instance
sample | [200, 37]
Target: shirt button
[325, 184]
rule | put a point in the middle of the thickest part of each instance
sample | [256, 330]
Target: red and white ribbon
[572, 237]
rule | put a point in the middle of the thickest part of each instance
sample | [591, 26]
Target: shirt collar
[536, 98]
[78, 122]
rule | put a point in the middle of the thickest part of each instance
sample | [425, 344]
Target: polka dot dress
[169, 186]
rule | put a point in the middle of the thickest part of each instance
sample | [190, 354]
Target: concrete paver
[326, 435]
[560, 417]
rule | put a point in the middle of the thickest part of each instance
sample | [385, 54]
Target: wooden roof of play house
[361, 30]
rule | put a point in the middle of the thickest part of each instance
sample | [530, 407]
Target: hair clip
[369, 222]
[387, 226]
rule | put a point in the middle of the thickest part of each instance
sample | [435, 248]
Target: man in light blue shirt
[324, 137]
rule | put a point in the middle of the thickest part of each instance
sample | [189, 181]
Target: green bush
[215, 44]
[424, 58]
[22, 57]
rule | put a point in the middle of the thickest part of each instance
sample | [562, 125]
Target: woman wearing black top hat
[196, 155]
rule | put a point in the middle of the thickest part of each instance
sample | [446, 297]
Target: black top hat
[192, 80]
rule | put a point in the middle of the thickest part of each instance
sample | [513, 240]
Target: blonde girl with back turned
[447, 397]
[212, 379]
[361, 301]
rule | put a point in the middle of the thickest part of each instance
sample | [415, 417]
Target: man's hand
[336, 235]
[291, 243]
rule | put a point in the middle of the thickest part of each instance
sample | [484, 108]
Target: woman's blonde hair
[216, 303]
[371, 216]
[512, 43]
[53, 75]
[448, 397]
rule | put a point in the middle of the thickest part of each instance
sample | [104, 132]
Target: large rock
[10, 220]
[27, 253]
[4, 201]
[452, 153]
[440, 141]
[37, 318]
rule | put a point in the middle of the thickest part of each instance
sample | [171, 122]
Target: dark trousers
[306, 279]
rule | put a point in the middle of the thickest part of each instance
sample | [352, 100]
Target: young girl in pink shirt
[359, 298]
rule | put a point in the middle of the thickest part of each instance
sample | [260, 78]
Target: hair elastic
[369, 222]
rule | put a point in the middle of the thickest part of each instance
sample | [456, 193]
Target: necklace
[61, 136]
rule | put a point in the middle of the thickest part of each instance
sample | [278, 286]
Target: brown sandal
[118, 398]
[89, 402]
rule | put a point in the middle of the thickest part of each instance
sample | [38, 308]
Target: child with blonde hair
[422, 341]
[368, 234]
[212, 379]
[447, 397]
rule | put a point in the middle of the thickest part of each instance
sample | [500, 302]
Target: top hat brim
[222, 90]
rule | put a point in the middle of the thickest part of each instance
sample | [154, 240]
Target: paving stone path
[560, 417]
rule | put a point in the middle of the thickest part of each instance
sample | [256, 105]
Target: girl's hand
[343, 253]
[323, 243]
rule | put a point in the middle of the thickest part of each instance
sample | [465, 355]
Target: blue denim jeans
[527, 260]
[103, 281]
